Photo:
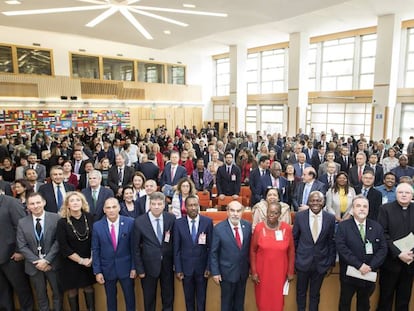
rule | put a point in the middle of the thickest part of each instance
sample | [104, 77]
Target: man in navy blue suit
[192, 243]
[361, 244]
[256, 176]
[275, 180]
[113, 255]
[230, 257]
[313, 233]
[228, 178]
[154, 253]
[303, 190]
[172, 173]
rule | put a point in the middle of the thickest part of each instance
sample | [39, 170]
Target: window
[272, 118]
[273, 71]
[367, 61]
[346, 119]
[6, 60]
[223, 77]
[84, 66]
[253, 73]
[312, 68]
[117, 69]
[337, 64]
[34, 61]
[221, 112]
[176, 74]
[251, 117]
[151, 72]
[409, 70]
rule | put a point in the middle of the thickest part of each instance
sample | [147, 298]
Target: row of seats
[212, 200]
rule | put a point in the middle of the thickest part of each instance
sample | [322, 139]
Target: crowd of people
[111, 206]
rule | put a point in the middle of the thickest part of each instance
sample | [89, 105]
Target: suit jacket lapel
[230, 233]
[154, 235]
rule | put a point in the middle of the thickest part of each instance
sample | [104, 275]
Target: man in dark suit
[96, 195]
[328, 179]
[149, 169]
[373, 195]
[396, 277]
[120, 175]
[256, 176]
[12, 276]
[377, 168]
[313, 233]
[154, 253]
[144, 201]
[78, 163]
[230, 257]
[36, 240]
[310, 151]
[303, 190]
[30, 175]
[192, 242]
[172, 174]
[84, 177]
[275, 180]
[300, 165]
[344, 160]
[113, 255]
[356, 172]
[54, 192]
[39, 168]
[319, 157]
[228, 178]
[5, 188]
[361, 244]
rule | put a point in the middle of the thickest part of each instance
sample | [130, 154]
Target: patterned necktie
[120, 175]
[38, 227]
[159, 231]
[113, 236]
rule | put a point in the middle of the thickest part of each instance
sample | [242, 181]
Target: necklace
[271, 226]
[79, 235]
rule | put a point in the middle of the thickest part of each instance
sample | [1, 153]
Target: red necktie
[359, 173]
[238, 240]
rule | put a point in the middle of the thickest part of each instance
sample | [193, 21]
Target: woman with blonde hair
[74, 235]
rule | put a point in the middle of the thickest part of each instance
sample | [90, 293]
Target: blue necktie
[305, 195]
[193, 231]
[159, 231]
[59, 197]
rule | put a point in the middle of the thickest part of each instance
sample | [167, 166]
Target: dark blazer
[255, 183]
[206, 158]
[297, 168]
[227, 259]
[103, 195]
[192, 258]
[113, 177]
[324, 179]
[48, 193]
[345, 166]
[27, 244]
[142, 202]
[309, 154]
[316, 161]
[40, 170]
[351, 248]
[150, 255]
[322, 252]
[6, 187]
[11, 210]
[353, 175]
[180, 172]
[298, 195]
[113, 264]
[283, 183]
[150, 170]
[224, 183]
[391, 217]
[374, 197]
[83, 181]
[379, 175]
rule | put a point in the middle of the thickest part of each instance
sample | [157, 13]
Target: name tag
[167, 237]
[202, 238]
[368, 248]
[233, 177]
[279, 235]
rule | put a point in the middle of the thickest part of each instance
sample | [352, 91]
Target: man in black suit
[310, 151]
[377, 168]
[96, 195]
[344, 160]
[319, 157]
[356, 172]
[144, 201]
[84, 177]
[315, 250]
[78, 163]
[39, 168]
[154, 253]
[149, 169]
[373, 195]
[172, 173]
[54, 192]
[30, 175]
[361, 244]
[396, 277]
[120, 175]
[12, 276]
[228, 178]
[192, 242]
[303, 190]
[255, 180]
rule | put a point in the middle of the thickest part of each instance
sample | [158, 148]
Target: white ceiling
[252, 23]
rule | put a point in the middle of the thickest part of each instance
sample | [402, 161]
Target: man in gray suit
[36, 240]
[39, 168]
[12, 276]
[31, 176]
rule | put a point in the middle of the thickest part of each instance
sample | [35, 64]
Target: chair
[204, 199]
[246, 195]
[226, 200]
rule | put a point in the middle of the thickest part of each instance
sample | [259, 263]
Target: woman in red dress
[272, 259]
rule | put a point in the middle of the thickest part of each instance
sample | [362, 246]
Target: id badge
[167, 237]
[279, 235]
[202, 238]
[368, 248]
[233, 177]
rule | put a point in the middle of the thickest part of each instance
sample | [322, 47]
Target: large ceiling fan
[125, 7]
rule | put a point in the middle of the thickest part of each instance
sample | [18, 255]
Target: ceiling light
[167, 32]
[102, 17]
[56, 10]
[165, 19]
[150, 8]
[12, 2]
[188, 5]
[135, 23]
